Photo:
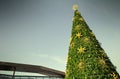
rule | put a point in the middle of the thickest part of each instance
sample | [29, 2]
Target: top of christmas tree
[86, 58]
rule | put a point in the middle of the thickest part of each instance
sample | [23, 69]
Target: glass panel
[28, 77]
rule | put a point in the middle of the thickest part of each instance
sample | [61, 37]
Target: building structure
[48, 72]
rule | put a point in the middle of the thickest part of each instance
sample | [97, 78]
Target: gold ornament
[86, 40]
[72, 45]
[78, 35]
[81, 65]
[81, 19]
[114, 75]
[75, 7]
[102, 62]
[77, 27]
[81, 49]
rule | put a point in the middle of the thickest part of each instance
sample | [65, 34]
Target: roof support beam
[14, 69]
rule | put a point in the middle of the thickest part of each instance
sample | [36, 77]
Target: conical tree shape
[86, 58]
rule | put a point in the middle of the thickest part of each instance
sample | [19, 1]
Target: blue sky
[38, 31]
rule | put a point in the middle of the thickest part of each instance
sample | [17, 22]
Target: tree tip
[75, 7]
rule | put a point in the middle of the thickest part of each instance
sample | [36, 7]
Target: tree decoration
[102, 62]
[81, 19]
[78, 35]
[81, 65]
[81, 49]
[86, 40]
[72, 45]
[77, 27]
[114, 76]
[75, 7]
[86, 57]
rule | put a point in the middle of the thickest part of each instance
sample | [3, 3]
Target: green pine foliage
[86, 58]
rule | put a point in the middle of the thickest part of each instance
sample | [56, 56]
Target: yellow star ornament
[78, 35]
[81, 50]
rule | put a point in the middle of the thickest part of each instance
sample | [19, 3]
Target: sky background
[37, 32]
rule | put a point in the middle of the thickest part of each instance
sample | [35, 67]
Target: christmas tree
[86, 58]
